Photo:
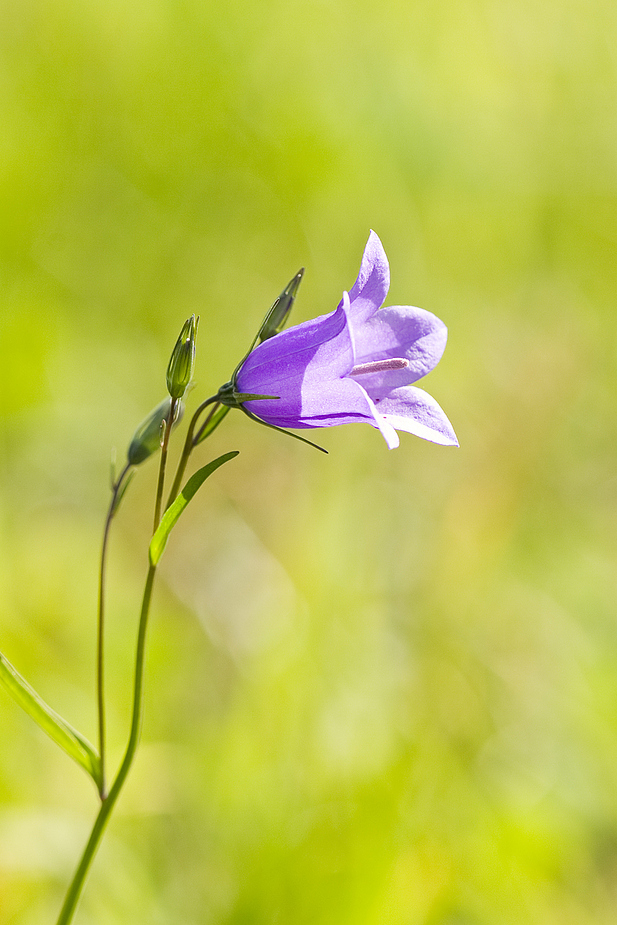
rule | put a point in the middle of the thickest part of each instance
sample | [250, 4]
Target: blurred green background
[381, 685]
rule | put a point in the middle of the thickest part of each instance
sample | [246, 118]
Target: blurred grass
[381, 685]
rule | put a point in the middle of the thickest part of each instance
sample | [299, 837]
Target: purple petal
[399, 331]
[369, 291]
[306, 367]
[318, 404]
[344, 402]
[317, 349]
[415, 411]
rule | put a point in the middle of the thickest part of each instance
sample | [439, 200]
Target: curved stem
[79, 879]
[188, 448]
[213, 409]
[100, 634]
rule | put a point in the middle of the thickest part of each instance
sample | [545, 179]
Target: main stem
[107, 806]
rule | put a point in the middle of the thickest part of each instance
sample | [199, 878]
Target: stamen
[379, 366]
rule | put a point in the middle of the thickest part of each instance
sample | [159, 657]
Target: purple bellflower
[356, 364]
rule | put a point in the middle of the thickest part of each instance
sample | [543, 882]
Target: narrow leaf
[73, 743]
[171, 515]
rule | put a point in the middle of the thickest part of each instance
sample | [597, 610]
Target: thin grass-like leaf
[71, 741]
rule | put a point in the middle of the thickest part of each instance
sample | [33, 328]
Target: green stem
[197, 436]
[188, 448]
[100, 636]
[79, 879]
[163, 464]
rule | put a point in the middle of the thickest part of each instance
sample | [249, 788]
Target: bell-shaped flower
[356, 364]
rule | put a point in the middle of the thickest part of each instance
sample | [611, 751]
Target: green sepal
[171, 515]
[72, 742]
[241, 397]
[229, 395]
[282, 430]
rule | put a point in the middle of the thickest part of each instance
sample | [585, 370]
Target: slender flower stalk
[213, 419]
[100, 635]
[163, 465]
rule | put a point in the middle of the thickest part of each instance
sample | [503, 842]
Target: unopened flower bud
[276, 319]
[147, 438]
[180, 369]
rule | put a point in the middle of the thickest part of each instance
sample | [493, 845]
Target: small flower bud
[147, 438]
[180, 369]
[276, 319]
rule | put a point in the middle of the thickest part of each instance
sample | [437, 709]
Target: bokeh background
[382, 686]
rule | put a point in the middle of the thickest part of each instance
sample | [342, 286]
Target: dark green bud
[276, 319]
[147, 438]
[180, 369]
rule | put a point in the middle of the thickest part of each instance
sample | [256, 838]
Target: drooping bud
[180, 369]
[276, 319]
[147, 438]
